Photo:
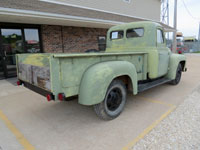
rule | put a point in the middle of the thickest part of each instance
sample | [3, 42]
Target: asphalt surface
[28, 121]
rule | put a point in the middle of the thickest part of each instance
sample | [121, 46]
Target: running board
[146, 86]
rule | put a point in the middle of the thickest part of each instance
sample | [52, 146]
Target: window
[116, 35]
[137, 32]
[32, 40]
[102, 43]
[160, 39]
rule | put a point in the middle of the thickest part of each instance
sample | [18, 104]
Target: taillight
[61, 96]
[19, 83]
[49, 97]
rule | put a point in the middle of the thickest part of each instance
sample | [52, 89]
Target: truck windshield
[116, 35]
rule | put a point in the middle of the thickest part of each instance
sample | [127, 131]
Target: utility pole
[199, 38]
[175, 27]
[199, 33]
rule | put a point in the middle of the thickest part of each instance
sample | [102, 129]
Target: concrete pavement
[70, 126]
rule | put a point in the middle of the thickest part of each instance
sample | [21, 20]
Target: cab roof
[143, 24]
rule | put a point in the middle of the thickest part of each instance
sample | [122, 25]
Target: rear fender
[98, 77]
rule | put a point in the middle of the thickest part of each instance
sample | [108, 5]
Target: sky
[187, 24]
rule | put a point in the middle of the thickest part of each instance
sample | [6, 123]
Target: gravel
[180, 130]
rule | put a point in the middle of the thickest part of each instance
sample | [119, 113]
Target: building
[63, 26]
[189, 39]
[191, 44]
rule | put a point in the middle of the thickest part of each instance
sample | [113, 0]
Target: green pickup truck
[136, 59]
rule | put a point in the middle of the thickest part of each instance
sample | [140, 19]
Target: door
[11, 44]
[163, 52]
[16, 39]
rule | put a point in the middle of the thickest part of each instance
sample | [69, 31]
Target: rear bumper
[36, 89]
[45, 92]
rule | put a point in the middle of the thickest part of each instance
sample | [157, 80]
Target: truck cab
[142, 37]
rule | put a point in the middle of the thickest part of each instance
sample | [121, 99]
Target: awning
[168, 28]
[38, 12]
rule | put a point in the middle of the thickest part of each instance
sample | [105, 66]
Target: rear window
[137, 32]
[116, 35]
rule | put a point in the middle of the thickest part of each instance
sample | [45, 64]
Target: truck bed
[57, 73]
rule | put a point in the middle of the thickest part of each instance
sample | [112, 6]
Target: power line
[189, 11]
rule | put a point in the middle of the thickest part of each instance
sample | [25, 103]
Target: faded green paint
[55, 76]
[73, 69]
[41, 60]
[66, 70]
[174, 61]
[163, 59]
[133, 44]
[88, 75]
[98, 77]
[147, 43]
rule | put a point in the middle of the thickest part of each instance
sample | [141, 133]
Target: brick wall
[58, 39]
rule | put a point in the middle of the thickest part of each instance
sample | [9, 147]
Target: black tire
[178, 75]
[114, 101]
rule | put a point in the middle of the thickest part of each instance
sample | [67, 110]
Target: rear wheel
[114, 101]
[178, 75]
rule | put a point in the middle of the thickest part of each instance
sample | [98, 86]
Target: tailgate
[34, 69]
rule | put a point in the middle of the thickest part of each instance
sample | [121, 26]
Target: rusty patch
[41, 82]
[39, 76]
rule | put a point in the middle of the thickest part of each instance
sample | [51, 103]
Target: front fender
[175, 59]
[98, 77]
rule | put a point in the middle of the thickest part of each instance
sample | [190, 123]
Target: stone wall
[59, 39]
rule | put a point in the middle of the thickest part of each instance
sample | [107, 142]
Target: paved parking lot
[28, 121]
[180, 130]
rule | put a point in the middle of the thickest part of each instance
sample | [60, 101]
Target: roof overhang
[33, 17]
[168, 28]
